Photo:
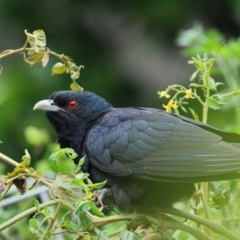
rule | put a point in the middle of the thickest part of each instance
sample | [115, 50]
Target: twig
[26, 213]
[214, 226]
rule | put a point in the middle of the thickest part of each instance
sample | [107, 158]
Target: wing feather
[152, 144]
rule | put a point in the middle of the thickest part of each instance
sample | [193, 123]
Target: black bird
[150, 158]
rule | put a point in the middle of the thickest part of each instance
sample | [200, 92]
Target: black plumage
[150, 158]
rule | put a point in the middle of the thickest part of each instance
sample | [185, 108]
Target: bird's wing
[152, 144]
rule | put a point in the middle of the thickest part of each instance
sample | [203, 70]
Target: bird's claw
[100, 195]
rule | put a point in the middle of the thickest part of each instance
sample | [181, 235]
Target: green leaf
[53, 162]
[60, 157]
[37, 40]
[70, 222]
[59, 68]
[194, 114]
[74, 86]
[35, 229]
[66, 191]
[215, 101]
[221, 196]
[194, 85]
[45, 211]
[90, 206]
[82, 176]
[127, 235]
[79, 165]
[85, 221]
[103, 235]
[183, 108]
[34, 58]
[36, 204]
[98, 185]
[26, 159]
[194, 75]
[212, 84]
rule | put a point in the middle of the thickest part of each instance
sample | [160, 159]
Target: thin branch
[26, 213]
[15, 164]
[183, 227]
[214, 226]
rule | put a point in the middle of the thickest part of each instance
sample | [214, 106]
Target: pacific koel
[150, 158]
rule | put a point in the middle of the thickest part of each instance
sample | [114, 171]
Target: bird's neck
[71, 138]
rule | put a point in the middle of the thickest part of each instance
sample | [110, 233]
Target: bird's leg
[100, 195]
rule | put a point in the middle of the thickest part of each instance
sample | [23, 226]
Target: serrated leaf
[59, 160]
[85, 222]
[215, 101]
[66, 191]
[213, 84]
[103, 235]
[127, 235]
[52, 160]
[37, 39]
[59, 68]
[34, 230]
[70, 221]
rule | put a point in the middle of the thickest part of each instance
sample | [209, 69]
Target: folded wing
[152, 144]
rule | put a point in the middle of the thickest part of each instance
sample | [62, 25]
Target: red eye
[73, 104]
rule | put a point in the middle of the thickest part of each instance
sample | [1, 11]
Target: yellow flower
[163, 94]
[189, 94]
[170, 106]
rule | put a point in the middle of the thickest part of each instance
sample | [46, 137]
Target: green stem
[183, 227]
[9, 52]
[214, 226]
[205, 113]
[52, 221]
[235, 92]
[98, 222]
[25, 214]
[204, 197]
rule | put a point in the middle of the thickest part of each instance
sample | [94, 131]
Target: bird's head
[73, 111]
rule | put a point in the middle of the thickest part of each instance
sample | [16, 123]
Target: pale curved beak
[46, 105]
